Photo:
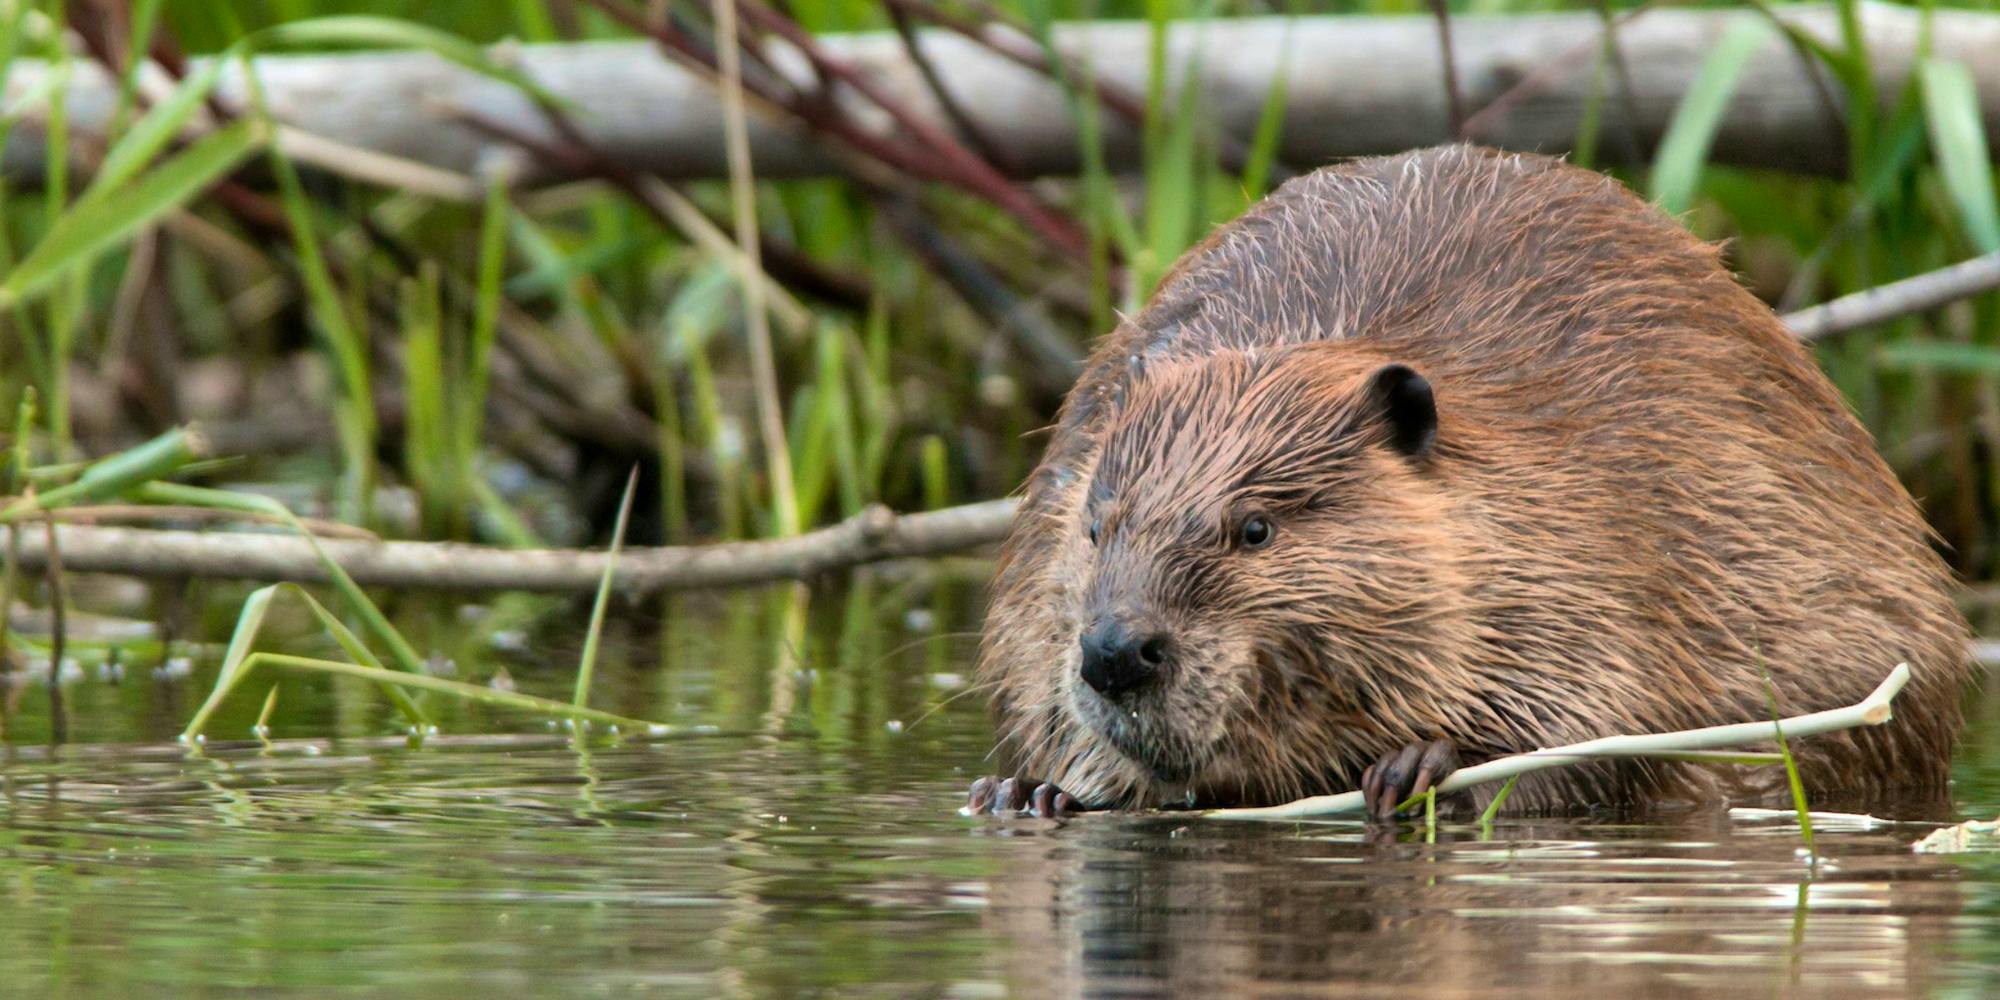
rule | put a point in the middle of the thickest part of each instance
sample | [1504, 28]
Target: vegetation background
[489, 368]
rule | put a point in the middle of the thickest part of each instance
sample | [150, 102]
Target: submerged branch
[873, 535]
[1873, 710]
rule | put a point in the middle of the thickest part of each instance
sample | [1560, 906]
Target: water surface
[795, 836]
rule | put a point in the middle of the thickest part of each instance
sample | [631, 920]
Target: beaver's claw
[1016, 797]
[1401, 774]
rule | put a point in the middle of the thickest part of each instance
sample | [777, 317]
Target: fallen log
[1353, 86]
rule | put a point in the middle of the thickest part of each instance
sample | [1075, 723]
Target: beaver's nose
[1116, 661]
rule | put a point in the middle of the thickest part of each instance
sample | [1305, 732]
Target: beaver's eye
[1255, 532]
[1094, 524]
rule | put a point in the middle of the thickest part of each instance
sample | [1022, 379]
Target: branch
[1870, 711]
[1898, 298]
[873, 535]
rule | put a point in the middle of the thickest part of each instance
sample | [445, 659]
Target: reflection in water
[1546, 909]
[794, 837]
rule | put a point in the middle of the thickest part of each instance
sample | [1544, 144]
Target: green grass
[1676, 173]
[1792, 779]
[867, 395]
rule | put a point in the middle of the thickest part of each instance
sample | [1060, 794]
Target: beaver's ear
[1403, 399]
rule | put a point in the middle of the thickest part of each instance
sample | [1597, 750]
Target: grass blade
[1256, 177]
[115, 474]
[430, 442]
[377, 625]
[1493, 807]
[1684, 149]
[352, 645]
[1791, 766]
[263, 727]
[1958, 142]
[93, 227]
[249, 621]
[159, 127]
[456, 689]
[485, 319]
[354, 416]
[587, 663]
[1940, 355]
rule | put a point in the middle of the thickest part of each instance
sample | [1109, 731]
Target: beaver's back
[1660, 489]
[1518, 274]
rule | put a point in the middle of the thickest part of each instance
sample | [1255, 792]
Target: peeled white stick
[1870, 711]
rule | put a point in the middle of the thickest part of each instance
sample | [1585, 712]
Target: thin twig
[1052, 360]
[1454, 101]
[1005, 36]
[682, 50]
[1873, 710]
[945, 160]
[1614, 57]
[1897, 299]
[965, 166]
[1554, 69]
[899, 16]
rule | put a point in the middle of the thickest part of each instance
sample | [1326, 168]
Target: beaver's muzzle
[1117, 660]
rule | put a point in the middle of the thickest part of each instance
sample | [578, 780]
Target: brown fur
[1641, 487]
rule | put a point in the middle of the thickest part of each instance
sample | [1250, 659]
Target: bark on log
[1353, 86]
[872, 535]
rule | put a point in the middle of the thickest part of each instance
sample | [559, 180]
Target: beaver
[1434, 458]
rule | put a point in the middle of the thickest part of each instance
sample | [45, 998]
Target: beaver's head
[1268, 543]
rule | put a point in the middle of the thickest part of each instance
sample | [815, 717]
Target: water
[796, 837]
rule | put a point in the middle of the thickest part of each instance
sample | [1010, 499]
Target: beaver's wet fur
[1456, 450]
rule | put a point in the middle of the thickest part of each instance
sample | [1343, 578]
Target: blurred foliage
[504, 360]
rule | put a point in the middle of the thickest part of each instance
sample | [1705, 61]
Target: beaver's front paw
[1015, 796]
[1401, 774]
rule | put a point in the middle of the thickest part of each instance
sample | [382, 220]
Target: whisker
[914, 643]
[954, 696]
